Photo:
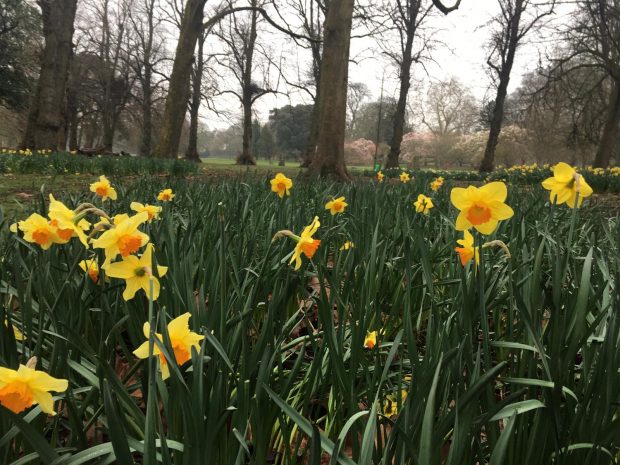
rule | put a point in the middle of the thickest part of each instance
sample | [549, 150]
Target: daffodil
[165, 195]
[467, 251]
[305, 243]
[336, 206]
[404, 177]
[567, 186]
[392, 406]
[437, 183]
[380, 176]
[481, 208]
[137, 273]
[67, 221]
[124, 238]
[22, 388]
[152, 210]
[347, 245]
[370, 341]
[103, 189]
[92, 268]
[423, 204]
[281, 185]
[38, 230]
[182, 339]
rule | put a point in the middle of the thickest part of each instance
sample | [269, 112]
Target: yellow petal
[45, 400]
[460, 198]
[500, 210]
[143, 350]
[132, 286]
[563, 172]
[462, 223]
[487, 228]
[179, 327]
[494, 191]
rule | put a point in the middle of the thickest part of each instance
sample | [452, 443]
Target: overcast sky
[464, 33]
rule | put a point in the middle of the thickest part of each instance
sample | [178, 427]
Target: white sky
[464, 33]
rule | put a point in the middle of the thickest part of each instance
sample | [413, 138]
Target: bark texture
[194, 106]
[609, 137]
[178, 89]
[328, 159]
[46, 118]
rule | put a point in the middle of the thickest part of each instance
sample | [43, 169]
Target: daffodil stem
[151, 401]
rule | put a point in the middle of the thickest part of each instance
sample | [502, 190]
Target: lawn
[385, 345]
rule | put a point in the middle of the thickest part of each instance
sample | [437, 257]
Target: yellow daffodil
[137, 273]
[336, 206]
[38, 230]
[481, 208]
[380, 176]
[467, 251]
[92, 268]
[437, 183]
[17, 334]
[65, 220]
[347, 245]
[22, 388]
[103, 189]
[423, 204]
[165, 195]
[124, 238]
[152, 210]
[306, 244]
[182, 340]
[281, 185]
[370, 341]
[404, 177]
[392, 406]
[567, 186]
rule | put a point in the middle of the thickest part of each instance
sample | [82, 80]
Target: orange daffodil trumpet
[166, 195]
[567, 186]
[103, 189]
[467, 251]
[481, 208]
[91, 267]
[138, 274]
[423, 204]
[306, 244]
[404, 177]
[370, 341]
[336, 206]
[22, 388]
[124, 238]
[182, 339]
[281, 185]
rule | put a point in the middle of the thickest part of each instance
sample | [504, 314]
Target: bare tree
[406, 18]
[516, 19]
[450, 108]
[46, 118]
[146, 53]
[358, 92]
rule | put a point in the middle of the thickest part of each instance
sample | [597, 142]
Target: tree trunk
[329, 157]
[488, 161]
[393, 160]
[609, 137]
[246, 157]
[147, 115]
[178, 88]
[46, 117]
[192, 147]
[316, 74]
[495, 128]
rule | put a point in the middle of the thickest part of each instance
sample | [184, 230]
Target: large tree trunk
[178, 88]
[314, 32]
[192, 147]
[488, 161]
[246, 157]
[609, 137]
[329, 157]
[46, 118]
